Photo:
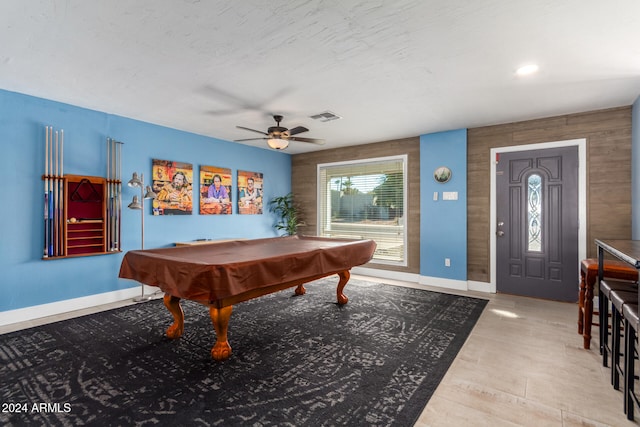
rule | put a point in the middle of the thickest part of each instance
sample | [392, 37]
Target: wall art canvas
[172, 182]
[250, 190]
[215, 190]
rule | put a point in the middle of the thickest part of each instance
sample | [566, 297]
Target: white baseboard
[386, 274]
[66, 306]
[459, 285]
[439, 282]
[481, 287]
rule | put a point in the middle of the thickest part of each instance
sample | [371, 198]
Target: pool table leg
[344, 278]
[220, 319]
[173, 305]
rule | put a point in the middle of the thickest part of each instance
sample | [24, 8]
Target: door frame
[582, 199]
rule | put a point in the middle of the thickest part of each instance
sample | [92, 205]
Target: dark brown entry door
[537, 229]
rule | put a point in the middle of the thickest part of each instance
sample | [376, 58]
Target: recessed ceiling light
[527, 69]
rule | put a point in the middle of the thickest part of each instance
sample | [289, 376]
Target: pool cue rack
[81, 212]
[85, 213]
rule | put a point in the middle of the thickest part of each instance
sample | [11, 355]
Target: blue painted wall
[635, 171]
[443, 224]
[25, 279]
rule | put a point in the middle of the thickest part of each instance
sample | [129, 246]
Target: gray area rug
[297, 361]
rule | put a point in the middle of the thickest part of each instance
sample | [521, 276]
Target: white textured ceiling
[390, 68]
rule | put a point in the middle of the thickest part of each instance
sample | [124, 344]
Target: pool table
[224, 274]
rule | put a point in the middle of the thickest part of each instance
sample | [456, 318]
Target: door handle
[500, 233]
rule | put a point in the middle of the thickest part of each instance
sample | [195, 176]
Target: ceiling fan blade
[252, 130]
[241, 103]
[249, 139]
[223, 112]
[311, 140]
[298, 129]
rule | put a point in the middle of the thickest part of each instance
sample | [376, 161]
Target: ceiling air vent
[326, 116]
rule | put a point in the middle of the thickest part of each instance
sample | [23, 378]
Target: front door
[537, 223]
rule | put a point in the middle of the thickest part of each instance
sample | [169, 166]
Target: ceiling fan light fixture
[277, 143]
[278, 137]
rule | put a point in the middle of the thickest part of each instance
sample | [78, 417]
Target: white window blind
[366, 200]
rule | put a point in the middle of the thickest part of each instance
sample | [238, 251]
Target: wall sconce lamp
[138, 204]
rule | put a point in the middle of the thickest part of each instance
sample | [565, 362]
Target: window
[534, 210]
[366, 200]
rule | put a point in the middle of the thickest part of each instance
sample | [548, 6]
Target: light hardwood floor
[522, 365]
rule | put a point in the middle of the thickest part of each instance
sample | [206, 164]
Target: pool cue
[50, 230]
[46, 192]
[112, 194]
[109, 207]
[119, 195]
[55, 194]
[61, 218]
[111, 191]
[115, 195]
[58, 198]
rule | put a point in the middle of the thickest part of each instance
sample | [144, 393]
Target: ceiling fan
[278, 137]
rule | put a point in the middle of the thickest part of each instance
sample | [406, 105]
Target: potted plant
[288, 213]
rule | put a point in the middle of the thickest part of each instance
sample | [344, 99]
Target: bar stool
[631, 326]
[604, 297]
[612, 269]
[620, 298]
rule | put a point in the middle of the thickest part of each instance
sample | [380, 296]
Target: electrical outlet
[447, 262]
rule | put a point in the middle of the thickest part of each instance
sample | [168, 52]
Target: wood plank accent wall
[304, 171]
[608, 135]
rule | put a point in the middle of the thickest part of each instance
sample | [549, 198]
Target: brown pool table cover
[213, 272]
